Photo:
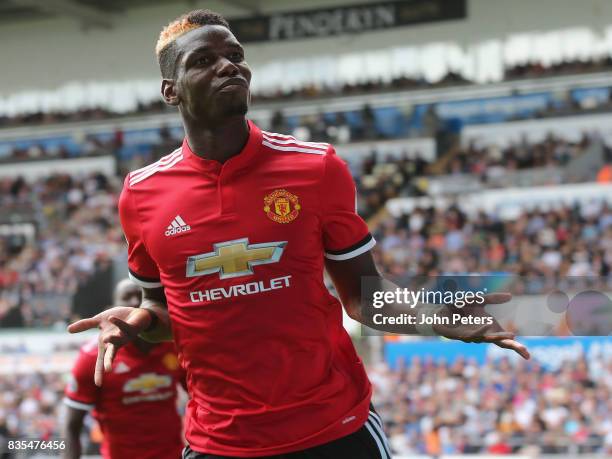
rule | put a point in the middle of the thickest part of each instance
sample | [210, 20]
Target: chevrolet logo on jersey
[147, 382]
[234, 258]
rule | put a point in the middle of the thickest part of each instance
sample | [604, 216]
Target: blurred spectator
[379, 179]
[605, 174]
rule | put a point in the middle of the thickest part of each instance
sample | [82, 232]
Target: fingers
[123, 326]
[104, 361]
[515, 346]
[99, 371]
[121, 333]
[494, 337]
[497, 298]
[84, 324]
[109, 340]
[111, 350]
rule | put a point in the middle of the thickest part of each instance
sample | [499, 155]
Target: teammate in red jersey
[136, 407]
[229, 236]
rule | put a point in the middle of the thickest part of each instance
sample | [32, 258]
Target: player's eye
[203, 60]
[236, 56]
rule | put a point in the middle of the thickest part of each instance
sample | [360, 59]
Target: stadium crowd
[437, 407]
[429, 407]
[30, 405]
[381, 178]
[78, 234]
[537, 244]
[364, 124]
[318, 128]
[530, 70]
[88, 145]
[491, 161]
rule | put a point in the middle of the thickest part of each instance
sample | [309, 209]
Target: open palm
[118, 326]
[491, 332]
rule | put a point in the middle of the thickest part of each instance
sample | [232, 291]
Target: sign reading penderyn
[345, 19]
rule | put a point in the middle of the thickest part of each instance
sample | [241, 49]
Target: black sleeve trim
[365, 245]
[355, 246]
[145, 282]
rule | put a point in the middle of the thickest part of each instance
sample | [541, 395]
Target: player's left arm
[72, 431]
[347, 276]
[81, 395]
[347, 243]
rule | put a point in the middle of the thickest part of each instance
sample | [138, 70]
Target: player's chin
[234, 107]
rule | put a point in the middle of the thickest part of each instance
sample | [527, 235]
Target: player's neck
[219, 142]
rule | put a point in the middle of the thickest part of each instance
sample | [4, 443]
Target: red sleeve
[345, 234]
[81, 392]
[142, 269]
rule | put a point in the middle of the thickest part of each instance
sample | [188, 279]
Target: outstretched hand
[488, 332]
[118, 326]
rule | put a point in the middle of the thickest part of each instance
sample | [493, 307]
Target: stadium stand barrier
[510, 199]
[570, 128]
[34, 169]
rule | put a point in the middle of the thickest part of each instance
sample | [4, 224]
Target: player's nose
[226, 68]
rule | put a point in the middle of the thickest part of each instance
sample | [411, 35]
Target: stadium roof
[91, 13]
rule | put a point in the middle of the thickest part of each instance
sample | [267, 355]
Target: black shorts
[369, 442]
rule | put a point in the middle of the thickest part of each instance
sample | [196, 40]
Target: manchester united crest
[281, 206]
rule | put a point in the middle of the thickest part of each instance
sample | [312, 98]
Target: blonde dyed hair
[180, 26]
[174, 30]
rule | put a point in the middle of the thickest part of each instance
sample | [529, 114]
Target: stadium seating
[431, 407]
[435, 407]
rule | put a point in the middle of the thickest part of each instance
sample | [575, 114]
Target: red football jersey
[136, 405]
[239, 248]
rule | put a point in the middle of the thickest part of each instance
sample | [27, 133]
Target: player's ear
[168, 91]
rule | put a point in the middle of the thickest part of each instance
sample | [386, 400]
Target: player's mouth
[233, 84]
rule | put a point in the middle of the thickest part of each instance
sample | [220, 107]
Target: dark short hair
[166, 49]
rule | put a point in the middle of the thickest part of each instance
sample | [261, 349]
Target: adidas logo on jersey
[177, 226]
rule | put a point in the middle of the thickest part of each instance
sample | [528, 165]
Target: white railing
[570, 128]
[509, 202]
[75, 166]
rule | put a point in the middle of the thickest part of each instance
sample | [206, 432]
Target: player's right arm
[119, 325]
[158, 330]
[143, 270]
